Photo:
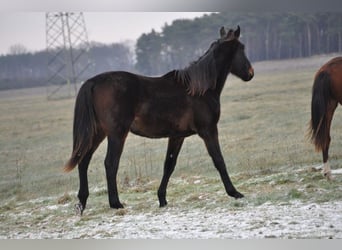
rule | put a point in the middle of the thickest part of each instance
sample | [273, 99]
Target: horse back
[149, 106]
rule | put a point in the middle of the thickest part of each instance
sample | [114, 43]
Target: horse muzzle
[251, 73]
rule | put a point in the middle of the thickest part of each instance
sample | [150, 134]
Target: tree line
[22, 70]
[267, 36]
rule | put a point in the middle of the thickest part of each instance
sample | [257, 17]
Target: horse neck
[222, 77]
[223, 66]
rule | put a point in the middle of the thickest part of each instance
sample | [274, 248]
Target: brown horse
[326, 94]
[176, 105]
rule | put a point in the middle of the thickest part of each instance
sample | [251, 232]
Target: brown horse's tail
[84, 128]
[319, 131]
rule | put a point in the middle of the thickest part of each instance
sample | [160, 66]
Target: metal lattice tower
[68, 46]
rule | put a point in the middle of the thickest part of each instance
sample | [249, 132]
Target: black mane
[200, 75]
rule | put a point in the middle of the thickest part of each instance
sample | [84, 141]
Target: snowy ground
[266, 221]
[291, 220]
[278, 205]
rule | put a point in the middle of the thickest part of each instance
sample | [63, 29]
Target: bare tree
[17, 49]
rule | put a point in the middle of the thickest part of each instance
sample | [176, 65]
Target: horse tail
[84, 128]
[319, 130]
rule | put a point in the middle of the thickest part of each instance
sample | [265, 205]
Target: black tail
[319, 130]
[84, 128]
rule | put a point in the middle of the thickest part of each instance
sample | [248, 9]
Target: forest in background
[267, 36]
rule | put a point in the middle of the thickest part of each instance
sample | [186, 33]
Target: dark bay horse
[326, 94]
[176, 105]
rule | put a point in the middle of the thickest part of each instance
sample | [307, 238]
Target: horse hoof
[328, 175]
[237, 195]
[117, 206]
[163, 204]
[79, 209]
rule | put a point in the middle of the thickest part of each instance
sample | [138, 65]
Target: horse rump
[84, 128]
[319, 130]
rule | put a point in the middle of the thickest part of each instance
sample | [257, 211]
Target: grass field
[262, 132]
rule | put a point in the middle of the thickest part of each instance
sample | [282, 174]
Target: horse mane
[200, 75]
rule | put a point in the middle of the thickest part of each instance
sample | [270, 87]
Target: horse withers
[326, 94]
[176, 105]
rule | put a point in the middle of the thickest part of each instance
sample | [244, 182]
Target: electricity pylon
[68, 47]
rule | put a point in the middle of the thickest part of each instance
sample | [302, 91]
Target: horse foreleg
[211, 141]
[174, 146]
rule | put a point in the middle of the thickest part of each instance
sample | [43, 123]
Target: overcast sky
[28, 28]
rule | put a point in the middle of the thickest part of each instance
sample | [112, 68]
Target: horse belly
[159, 126]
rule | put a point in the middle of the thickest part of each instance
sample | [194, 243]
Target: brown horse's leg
[211, 141]
[325, 151]
[83, 192]
[174, 146]
[114, 150]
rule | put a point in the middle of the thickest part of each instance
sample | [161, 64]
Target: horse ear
[237, 32]
[223, 32]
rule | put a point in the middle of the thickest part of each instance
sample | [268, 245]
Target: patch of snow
[52, 207]
[293, 220]
[336, 171]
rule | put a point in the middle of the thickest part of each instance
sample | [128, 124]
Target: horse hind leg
[325, 151]
[326, 170]
[114, 151]
[83, 192]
